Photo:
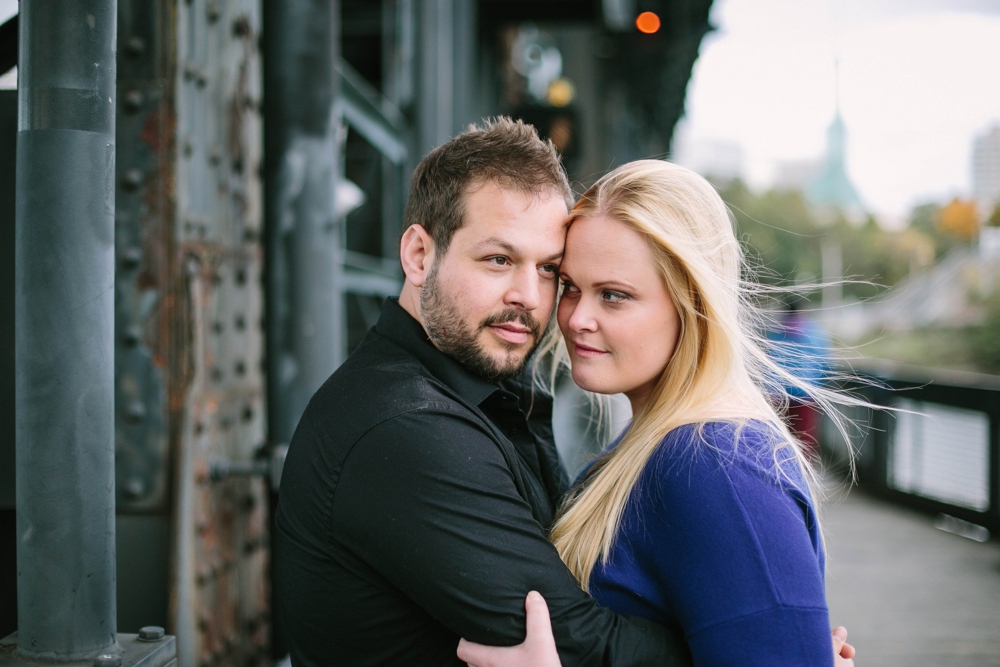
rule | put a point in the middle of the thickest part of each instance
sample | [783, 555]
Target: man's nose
[525, 292]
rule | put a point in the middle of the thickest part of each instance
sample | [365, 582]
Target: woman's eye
[612, 296]
[568, 287]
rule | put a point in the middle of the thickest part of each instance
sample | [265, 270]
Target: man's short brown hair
[503, 151]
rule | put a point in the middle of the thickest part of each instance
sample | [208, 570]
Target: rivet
[132, 335]
[133, 179]
[213, 11]
[135, 412]
[151, 633]
[241, 276]
[241, 27]
[135, 46]
[240, 323]
[247, 413]
[188, 148]
[131, 257]
[240, 369]
[218, 326]
[133, 100]
[135, 488]
[215, 155]
[192, 265]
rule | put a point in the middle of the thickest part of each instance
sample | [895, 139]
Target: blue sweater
[714, 541]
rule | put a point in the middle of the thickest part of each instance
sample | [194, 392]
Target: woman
[702, 514]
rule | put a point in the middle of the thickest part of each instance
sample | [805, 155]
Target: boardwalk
[910, 594]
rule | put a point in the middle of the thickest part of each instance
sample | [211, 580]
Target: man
[422, 477]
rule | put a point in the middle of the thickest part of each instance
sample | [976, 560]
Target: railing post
[64, 324]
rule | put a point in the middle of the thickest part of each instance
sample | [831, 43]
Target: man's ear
[416, 254]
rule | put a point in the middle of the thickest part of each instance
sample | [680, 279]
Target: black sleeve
[428, 500]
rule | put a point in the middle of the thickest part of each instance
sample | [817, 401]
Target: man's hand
[538, 649]
[843, 653]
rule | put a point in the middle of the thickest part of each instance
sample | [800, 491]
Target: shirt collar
[401, 328]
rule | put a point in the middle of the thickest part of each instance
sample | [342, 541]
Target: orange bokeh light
[647, 22]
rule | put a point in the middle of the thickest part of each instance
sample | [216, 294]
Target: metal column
[304, 250]
[64, 314]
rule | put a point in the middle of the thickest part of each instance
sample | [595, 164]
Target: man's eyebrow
[493, 242]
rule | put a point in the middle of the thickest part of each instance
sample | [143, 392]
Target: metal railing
[939, 449]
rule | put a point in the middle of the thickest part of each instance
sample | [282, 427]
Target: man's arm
[441, 518]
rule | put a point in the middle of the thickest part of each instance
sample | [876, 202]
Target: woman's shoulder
[736, 437]
[724, 448]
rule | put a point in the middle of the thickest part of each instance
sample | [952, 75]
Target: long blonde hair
[720, 370]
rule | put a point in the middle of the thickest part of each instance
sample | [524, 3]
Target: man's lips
[586, 351]
[512, 332]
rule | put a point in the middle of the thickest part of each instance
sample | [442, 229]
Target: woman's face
[615, 313]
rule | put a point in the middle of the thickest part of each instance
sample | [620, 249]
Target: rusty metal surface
[190, 379]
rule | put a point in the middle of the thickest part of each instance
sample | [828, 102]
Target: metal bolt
[108, 660]
[151, 633]
[131, 257]
[135, 489]
[132, 335]
[192, 265]
[240, 368]
[215, 155]
[135, 413]
[188, 148]
[247, 411]
[213, 11]
[133, 100]
[241, 323]
[135, 46]
[241, 276]
[201, 77]
[133, 179]
[241, 27]
[218, 326]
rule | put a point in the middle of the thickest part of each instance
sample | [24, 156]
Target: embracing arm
[444, 523]
[539, 648]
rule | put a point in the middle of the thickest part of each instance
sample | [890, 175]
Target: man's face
[487, 300]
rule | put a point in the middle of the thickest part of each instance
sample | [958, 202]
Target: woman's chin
[587, 382]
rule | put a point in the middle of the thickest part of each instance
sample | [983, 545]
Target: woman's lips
[511, 332]
[586, 351]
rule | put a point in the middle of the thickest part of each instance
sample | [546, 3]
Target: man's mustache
[512, 315]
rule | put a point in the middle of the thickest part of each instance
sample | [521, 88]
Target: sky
[918, 80]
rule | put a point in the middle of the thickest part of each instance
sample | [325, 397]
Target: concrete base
[135, 653]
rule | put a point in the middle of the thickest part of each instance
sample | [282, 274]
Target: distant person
[701, 516]
[800, 346]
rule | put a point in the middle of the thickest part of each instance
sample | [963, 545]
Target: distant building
[986, 170]
[718, 159]
[832, 188]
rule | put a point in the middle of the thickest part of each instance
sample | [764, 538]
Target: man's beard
[450, 334]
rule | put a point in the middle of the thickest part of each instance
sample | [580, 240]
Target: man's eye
[550, 269]
[499, 261]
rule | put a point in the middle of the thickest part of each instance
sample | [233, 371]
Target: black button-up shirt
[413, 510]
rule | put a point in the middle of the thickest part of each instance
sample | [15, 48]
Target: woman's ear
[416, 254]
